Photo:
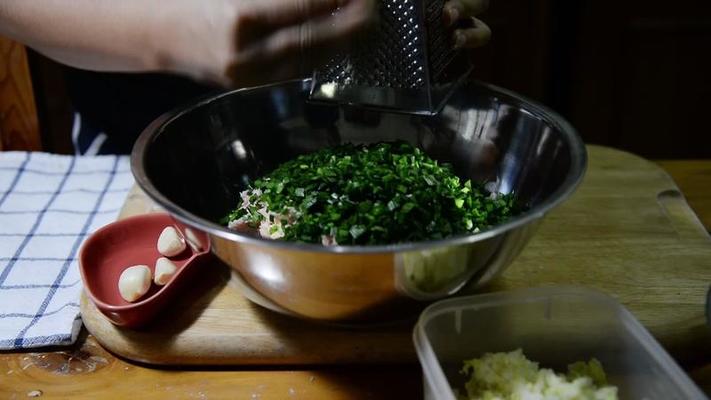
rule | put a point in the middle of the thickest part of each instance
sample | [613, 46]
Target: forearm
[91, 34]
[231, 42]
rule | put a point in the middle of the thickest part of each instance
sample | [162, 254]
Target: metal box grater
[406, 63]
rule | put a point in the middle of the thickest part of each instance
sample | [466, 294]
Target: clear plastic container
[555, 326]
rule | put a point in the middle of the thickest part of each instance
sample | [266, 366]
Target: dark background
[630, 74]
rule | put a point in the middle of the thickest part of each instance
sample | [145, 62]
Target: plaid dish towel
[48, 205]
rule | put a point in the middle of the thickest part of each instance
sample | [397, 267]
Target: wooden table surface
[88, 371]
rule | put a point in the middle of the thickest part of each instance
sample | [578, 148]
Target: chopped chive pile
[376, 194]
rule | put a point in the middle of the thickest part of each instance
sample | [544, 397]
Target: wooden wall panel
[666, 98]
[53, 104]
[639, 75]
[19, 127]
[517, 57]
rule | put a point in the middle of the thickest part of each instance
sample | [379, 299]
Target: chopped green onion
[382, 193]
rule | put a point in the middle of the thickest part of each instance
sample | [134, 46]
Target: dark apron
[112, 109]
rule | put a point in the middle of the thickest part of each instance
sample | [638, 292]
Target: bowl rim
[573, 178]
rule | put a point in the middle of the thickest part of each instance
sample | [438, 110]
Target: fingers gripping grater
[405, 63]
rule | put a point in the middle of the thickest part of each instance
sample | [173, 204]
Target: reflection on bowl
[195, 161]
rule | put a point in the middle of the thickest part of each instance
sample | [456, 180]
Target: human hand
[474, 33]
[251, 42]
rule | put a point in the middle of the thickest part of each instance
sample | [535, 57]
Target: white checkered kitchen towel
[48, 205]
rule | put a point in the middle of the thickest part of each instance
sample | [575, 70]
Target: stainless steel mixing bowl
[195, 161]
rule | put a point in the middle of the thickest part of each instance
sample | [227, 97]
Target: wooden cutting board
[627, 231]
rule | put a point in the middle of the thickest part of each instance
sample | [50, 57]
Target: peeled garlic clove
[193, 240]
[170, 243]
[165, 269]
[134, 282]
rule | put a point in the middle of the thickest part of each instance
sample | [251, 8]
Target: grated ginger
[511, 376]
